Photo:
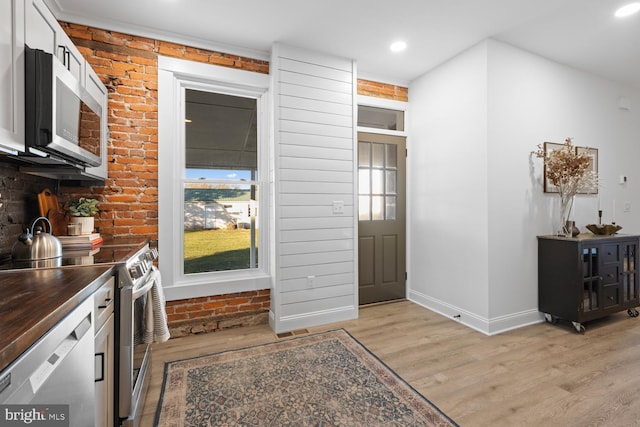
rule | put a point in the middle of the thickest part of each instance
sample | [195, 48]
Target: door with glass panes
[381, 213]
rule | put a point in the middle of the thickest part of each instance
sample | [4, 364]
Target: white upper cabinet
[44, 32]
[12, 76]
[97, 90]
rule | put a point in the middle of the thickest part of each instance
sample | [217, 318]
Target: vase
[86, 223]
[566, 226]
[571, 229]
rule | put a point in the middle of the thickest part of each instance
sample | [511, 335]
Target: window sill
[209, 286]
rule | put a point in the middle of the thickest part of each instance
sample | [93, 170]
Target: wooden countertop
[33, 301]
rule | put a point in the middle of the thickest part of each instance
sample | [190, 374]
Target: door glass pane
[364, 211]
[363, 181]
[390, 208]
[364, 154]
[377, 208]
[391, 182]
[377, 181]
[392, 156]
[377, 158]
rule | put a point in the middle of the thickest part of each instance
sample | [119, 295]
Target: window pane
[380, 118]
[220, 133]
[364, 213]
[220, 227]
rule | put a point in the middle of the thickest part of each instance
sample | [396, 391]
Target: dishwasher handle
[47, 367]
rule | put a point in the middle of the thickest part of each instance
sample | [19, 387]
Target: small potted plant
[82, 212]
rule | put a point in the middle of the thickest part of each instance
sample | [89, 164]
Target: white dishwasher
[57, 370]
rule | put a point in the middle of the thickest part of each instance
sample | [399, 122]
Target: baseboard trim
[482, 324]
[308, 320]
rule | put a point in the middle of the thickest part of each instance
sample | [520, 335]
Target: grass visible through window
[216, 250]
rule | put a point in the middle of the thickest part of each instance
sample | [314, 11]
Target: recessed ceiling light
[627, 10]
[398, 46]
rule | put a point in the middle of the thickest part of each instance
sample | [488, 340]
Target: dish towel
[155, 316]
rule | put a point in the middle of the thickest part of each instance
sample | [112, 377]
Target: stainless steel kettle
[36, 245]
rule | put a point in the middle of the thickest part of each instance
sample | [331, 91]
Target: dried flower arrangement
[570, 171]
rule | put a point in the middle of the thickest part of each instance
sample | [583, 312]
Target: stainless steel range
[133, 260]
[136, 277]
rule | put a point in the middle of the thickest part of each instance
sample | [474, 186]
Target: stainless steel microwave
[62, 119]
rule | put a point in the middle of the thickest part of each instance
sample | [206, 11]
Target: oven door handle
[137, 293]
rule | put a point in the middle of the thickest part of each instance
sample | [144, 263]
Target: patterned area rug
[325, 379]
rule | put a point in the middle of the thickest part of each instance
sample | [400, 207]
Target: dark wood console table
[587, 277]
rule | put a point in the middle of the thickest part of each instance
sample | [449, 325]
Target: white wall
[315, 268]
[522, 100]
[447, 141]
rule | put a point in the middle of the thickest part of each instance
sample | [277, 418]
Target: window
[220, 182]
[380, 118]
[212, 191]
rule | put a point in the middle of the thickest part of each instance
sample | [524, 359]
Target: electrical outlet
[627, 206]
[338, 207]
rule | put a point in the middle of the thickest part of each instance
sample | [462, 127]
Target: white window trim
[174, 75]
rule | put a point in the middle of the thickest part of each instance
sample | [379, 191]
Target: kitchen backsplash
[19, 198]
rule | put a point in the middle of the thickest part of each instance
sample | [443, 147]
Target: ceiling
[583, 34]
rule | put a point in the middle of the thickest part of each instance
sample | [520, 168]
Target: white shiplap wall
[314, 166]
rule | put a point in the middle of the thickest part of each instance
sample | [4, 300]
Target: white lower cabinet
[104, 354]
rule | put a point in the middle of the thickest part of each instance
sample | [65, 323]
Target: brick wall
[127, 65]
[209, 314]
[19, 202]
[383, 90]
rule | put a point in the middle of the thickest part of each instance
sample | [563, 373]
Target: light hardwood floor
[540, 375]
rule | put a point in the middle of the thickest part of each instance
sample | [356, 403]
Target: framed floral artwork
[593, 155]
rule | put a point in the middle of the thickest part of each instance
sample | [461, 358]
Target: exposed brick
[250, 307]
[176, 317]
[382, 90]
[200, 314]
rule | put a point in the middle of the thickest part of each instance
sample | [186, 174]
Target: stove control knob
[136, 270]
[152, 254]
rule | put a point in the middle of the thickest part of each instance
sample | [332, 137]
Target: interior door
[381, 213]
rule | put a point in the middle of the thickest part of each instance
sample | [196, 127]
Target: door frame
[370, 101]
